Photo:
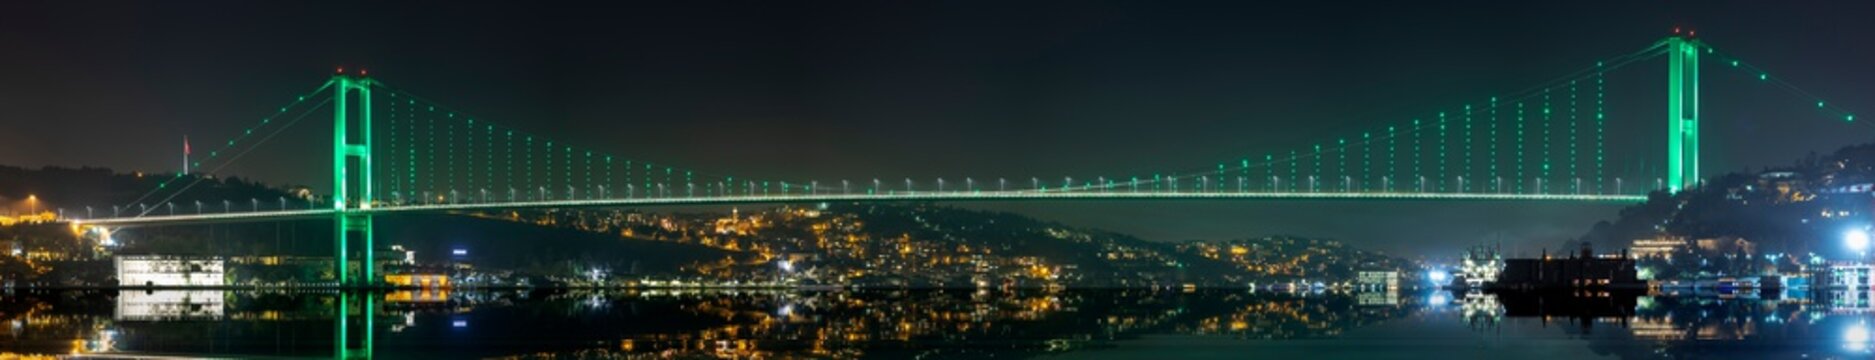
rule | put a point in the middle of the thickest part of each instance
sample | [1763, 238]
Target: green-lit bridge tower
[352, 190]
[351, 174]
[1682, 112]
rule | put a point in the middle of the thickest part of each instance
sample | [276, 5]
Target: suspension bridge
[396, 152]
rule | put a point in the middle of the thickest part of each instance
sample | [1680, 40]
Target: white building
[1851, 276]
[1378, 279]
[162, 270]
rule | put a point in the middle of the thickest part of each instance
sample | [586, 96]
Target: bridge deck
[926, 196]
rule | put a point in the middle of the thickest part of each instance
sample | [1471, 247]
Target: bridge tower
[351, 149]
[351, 143]
[1682, 112]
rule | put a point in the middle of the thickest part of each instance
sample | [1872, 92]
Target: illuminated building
[417, 280]
[164, 270]
[1661, 246]
[1851, 276]
[1379, 279]
[1481, 266]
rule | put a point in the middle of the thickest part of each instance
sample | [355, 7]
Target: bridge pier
[354, 228]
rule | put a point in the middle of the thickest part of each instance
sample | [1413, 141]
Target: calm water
[936, 324]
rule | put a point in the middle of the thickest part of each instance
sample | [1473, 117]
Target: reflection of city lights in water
[1439, 299]
[1481, 306]
[1856, 337]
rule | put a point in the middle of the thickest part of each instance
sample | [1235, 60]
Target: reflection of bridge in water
[889, 324]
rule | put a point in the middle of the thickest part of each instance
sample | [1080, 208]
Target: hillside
[931, 245]
[1800, 209]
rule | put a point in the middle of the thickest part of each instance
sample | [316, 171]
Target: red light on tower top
[341, 70]
[1682, 31]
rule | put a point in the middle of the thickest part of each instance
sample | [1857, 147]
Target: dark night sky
[862, 89]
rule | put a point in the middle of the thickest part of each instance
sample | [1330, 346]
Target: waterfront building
[169, 270]
[1481, 267]
[1378, 279]
[1582, 270]
[1851, 276]
[427, 281]
[1663, 246]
